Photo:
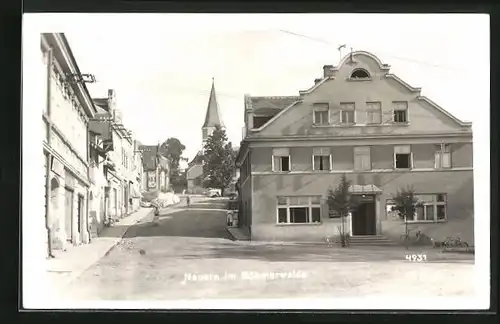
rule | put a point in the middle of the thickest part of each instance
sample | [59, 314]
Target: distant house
[156, 175]
[363, 121]
[194, 173]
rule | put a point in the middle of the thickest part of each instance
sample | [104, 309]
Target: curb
[72, 277]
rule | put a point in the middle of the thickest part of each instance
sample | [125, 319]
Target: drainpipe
[49, 157]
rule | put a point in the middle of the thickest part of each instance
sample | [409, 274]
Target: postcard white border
[35, 284]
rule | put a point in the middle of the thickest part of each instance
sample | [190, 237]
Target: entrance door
[68, 215]
[364, 217]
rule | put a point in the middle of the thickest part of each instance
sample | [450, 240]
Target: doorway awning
[364, 189]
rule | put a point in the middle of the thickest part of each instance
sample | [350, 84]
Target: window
[322, 159]
[360, 74]
[259, 121]
[321, 116]
[433, 208]
[373, 113]
[400, 111]
[362, 158]
[442, 157]
[402, 157]
[299, 210]
[347, 113]
[281, 160]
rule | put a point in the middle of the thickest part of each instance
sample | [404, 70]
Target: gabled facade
[156, 174]
[361, 120]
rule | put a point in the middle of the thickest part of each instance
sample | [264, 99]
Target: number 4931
[416, 257]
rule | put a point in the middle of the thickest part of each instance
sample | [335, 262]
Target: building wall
[298, 120]
[424, 122]
[193, 185]
[458, 185]
[381, 156]
[68, 165]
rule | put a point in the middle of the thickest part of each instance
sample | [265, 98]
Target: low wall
[298, 232]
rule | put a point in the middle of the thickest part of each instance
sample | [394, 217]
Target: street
[187, 254]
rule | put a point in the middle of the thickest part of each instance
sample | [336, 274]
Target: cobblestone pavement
[186, 254]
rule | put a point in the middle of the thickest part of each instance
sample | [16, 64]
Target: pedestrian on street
[188, 200]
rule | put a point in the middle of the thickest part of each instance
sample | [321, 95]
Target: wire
[384, 53]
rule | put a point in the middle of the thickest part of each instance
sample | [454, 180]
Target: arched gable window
[360, 74]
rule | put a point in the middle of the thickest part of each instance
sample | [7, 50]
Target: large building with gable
[360, 120]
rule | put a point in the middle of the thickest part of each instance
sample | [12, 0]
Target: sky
[161, 65]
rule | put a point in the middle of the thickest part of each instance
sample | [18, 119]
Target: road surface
[187, 254]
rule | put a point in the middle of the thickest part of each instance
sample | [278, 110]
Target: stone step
[371, 240]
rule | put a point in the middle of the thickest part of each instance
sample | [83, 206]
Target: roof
[272, 103]
[102, 103]
[212, 117]
[364, 189]
[198, 158]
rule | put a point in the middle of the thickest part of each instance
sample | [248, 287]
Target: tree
[218, 158]
[172, 149]
[405, 204]
[342, 202]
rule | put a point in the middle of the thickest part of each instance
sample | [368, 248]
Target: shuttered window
[362, 158]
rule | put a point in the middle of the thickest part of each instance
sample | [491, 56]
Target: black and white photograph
[256, 161]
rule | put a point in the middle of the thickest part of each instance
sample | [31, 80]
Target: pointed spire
[212, 117]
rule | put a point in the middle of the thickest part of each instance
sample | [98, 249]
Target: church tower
[212, 118]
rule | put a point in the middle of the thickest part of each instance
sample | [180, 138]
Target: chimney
[112, 101]
[327, 71]
[248, 113]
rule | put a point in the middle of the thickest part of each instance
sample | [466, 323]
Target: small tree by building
[405, 203]
[341, 202]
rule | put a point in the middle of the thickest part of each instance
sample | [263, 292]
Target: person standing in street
[188, 200]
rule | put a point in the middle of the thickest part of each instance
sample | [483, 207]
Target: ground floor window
[432, 208]
[299, 210]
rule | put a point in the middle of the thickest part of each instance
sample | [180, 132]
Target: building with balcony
[67, 110]
[360, 120]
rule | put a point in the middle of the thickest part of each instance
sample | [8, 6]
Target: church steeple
[212, 118]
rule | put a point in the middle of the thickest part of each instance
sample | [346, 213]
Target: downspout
[49, 157]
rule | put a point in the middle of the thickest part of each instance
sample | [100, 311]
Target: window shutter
[361, 150]
[402, 149]
[281, 151]
[446, 162]
[358, 162]
[437, 160]
[366, 162]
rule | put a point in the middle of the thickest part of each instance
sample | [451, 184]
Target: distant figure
[229, 218]
[184, 192]
[188, 200]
